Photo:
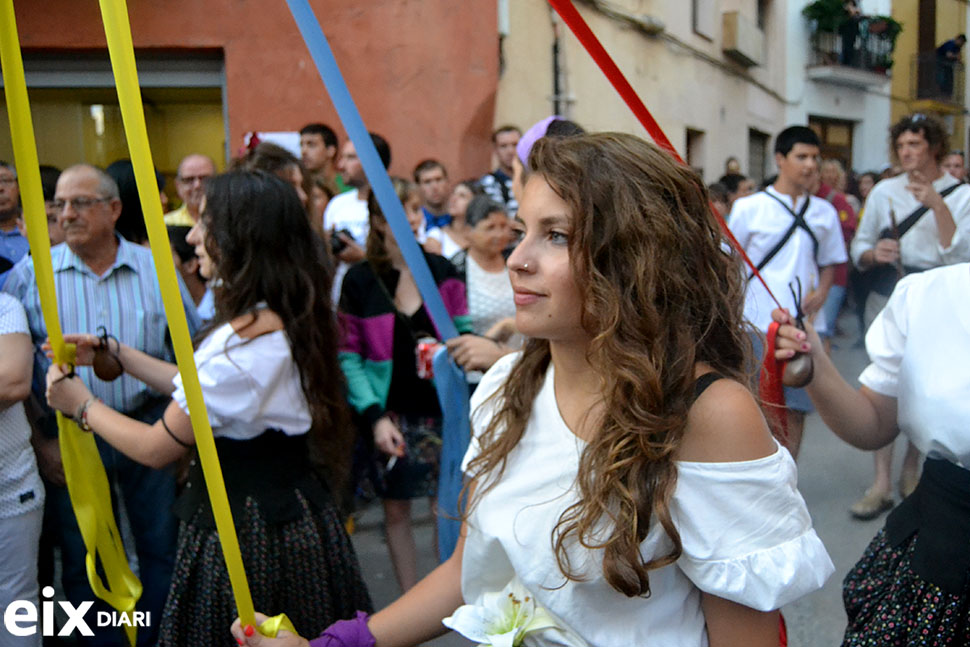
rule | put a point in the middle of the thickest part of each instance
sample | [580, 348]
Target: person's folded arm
[16, 368]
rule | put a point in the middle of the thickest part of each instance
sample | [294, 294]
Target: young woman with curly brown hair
[623, 486]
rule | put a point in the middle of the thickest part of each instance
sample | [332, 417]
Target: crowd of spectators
[235, 254]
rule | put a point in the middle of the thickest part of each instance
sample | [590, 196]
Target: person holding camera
[345, 219]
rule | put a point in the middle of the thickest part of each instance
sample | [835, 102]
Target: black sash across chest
[798, 222]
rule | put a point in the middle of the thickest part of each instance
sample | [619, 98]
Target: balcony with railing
[938, 81]
[859, 54]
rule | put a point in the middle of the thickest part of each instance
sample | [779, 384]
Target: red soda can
[424, 354]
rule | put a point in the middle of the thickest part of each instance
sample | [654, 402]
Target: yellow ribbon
[117, 30]
[87, 483]
[272, 626]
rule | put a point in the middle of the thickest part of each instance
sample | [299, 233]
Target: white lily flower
[502, 619]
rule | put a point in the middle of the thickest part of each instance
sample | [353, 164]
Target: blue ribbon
[449, 381]
[374, 169]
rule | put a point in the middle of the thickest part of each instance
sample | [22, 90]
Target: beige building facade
[721, 77]
[711, 104]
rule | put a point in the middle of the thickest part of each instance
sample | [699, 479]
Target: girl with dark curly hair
[623, 486]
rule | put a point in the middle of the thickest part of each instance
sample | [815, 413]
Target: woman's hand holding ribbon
[64, 391]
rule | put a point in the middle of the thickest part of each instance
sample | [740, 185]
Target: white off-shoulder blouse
[745, 530]
[919, 346]
[249, 385]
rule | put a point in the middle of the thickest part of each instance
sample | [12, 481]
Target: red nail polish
[804, 346]
[240, 641]
[249, 630]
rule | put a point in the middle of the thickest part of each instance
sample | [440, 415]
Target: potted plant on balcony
[885, 27]
[826, 14]
[887, 30]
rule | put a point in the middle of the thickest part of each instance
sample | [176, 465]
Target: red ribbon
[570, 15]
[771, 389]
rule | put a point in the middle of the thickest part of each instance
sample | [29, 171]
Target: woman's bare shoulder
[725, 424]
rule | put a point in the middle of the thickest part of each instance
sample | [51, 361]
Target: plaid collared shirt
[126, 300]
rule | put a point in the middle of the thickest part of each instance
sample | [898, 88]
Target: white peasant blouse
[746, 534]
[249, 385]
[919, 346]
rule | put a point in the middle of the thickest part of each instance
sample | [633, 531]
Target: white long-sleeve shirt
[920, 246]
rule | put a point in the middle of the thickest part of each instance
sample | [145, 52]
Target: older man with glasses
[193, 172]
[105, 282]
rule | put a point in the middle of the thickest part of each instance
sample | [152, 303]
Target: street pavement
[831, 476]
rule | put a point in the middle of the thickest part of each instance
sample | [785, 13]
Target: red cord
[771, 389]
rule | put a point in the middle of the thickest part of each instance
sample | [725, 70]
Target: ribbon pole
[121, 49]
[380, 183]
[87, 483]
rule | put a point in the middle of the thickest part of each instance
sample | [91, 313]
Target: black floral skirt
[912, 586]
[891, 606]
[305, 568]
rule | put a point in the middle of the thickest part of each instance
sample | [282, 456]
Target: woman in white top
[451, 239]
[912, 585]
[274, 394]
[609, 503]
[21, 490]
[490, 300]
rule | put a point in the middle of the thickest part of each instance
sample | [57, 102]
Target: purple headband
[529, 138]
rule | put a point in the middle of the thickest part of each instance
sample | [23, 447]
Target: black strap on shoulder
[704, 381]
[912, 218]
[501, 185]
[798, 222]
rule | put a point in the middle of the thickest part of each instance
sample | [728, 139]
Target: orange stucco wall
[422, 72]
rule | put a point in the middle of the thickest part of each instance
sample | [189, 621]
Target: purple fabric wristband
[530, 137]
[346, 633]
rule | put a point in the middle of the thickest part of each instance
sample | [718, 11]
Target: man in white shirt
[346, 217]
[795, 240]
[913, 222]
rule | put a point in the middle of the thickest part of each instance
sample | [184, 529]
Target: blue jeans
[148, 496]
[832, 307]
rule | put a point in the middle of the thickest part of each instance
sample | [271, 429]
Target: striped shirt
[126, 300]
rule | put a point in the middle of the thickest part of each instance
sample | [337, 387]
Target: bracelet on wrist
[81, 415]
